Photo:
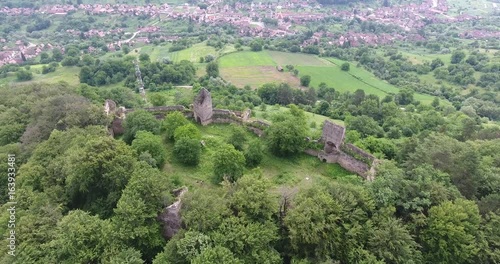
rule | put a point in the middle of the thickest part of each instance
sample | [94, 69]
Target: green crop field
[65, 74]
[257, 68]
[246, 58]
[284, 58]
[255, 76]
[156, 52]
[339, 80]
[356, 78]
[193, 53]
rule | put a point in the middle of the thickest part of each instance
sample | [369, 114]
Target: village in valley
[248, 19]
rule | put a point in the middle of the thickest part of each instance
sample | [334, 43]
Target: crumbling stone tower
[333, 137]
[202, 107]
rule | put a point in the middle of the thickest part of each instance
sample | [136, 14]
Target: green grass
[193, 53]
[257, 68]
[255, 76]
[156, 52]
[66, 74]
[299, 170]
[419, 57]
[284, 58]
[343, 81]
[356, 78]
[473, 7]
[174, 96]
[229, 48]
[310, 117]
[246, 58]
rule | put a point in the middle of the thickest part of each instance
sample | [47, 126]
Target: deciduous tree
[137, 121]
[228, 163]
[188, 151]
[452, 232]
[172, 122]
[148, 142]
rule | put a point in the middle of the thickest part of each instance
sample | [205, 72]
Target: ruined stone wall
[109, 107]
[222, 112]
[164, 109]
[257, 127]
[332, 133]
[347, 162]
[259, 124]
[117, 127]
[257, 131]
[202, 107]
[353, 165]
[218, 120]
[312, 152]
[170, 108]
[358, 153]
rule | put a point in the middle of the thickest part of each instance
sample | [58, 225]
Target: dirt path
[137, 32]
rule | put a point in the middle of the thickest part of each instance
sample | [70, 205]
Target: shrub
[187, 151]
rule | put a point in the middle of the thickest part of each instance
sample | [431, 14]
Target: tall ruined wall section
[347, 162]
[347, 156]
[333, 133]
[202, 107]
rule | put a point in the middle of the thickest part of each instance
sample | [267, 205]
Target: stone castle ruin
[348, 156]
[202, 107]
[335, 150]
[333, 137]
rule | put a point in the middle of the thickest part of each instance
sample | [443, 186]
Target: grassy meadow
[257, 68]
[284, 58]
[246, 58]
[193, 53]
[66, 74]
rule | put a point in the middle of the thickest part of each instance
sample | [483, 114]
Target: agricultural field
[246, 58]
[285, 58]
[65, 74]
[257, 68]
[193, 53]
[255, 76]
[156, 52]
[356, 78]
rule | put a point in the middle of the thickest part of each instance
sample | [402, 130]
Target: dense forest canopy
[435, 198]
